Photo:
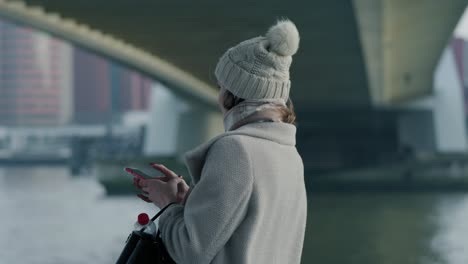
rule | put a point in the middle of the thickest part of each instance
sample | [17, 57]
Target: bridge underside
[328, 71]
[353, 53]
[353, 56]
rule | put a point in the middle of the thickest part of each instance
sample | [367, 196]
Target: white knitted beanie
[258, 68]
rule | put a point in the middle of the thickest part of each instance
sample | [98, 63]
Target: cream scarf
[249, 111]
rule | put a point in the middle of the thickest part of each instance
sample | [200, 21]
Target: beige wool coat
[248, 201]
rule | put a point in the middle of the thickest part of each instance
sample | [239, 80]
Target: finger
[180, 197]
[144, 198]
[164, 170]
[167, 172]
[142, 183]
[135, 182]
[138, 184]
[132, 172]
[162, 178]
[182, 187]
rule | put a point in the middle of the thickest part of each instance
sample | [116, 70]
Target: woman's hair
[287, 113]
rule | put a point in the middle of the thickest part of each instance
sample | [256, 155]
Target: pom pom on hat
[283, 38]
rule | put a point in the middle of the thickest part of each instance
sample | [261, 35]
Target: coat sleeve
[196, 232]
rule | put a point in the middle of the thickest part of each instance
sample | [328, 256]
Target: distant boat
[48, 156]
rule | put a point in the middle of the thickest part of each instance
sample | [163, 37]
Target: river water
[47, 216]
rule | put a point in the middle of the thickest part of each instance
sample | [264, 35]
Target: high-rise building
[92, 102]
[45, 81]
[104, 90]
[35, 78]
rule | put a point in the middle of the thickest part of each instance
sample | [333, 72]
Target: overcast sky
[462, 27]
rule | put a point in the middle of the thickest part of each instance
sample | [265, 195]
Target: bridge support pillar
[437, 123]
[197, 125]
[176, 126]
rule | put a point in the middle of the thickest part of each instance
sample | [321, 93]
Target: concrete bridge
[359, 62]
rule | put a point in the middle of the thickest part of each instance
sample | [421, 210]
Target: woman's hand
[162, 190]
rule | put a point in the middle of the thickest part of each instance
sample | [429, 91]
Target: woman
[247, 201]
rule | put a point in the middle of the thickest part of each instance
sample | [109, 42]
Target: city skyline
[46, 81]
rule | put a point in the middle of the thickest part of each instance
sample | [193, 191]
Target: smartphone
[137, 172]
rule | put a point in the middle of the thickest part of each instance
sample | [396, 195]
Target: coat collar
[282, 133]
[249, 111]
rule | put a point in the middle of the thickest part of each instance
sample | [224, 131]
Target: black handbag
[142, 248]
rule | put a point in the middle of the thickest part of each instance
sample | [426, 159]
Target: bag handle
[158, 234]
[162, 211]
